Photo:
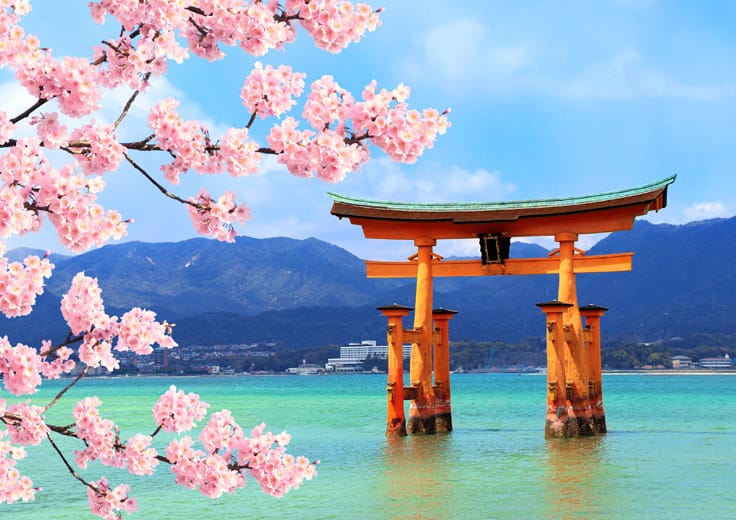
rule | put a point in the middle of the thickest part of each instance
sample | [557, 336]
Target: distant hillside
[308, 293]
[200, 275]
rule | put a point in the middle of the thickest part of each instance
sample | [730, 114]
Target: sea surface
[670, 451]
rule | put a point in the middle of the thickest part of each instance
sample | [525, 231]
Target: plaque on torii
[574, 397]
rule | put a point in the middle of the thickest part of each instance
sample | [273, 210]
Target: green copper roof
[493, 206]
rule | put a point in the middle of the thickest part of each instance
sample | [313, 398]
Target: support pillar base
[562, 425]
[422, 425]
[396, 428]
[443, 422]
[599, 422]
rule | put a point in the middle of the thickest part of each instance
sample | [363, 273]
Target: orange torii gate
[574, 394]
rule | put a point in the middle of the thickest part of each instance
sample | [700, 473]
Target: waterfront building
[682, 362]
[716, 363]
[353, 356]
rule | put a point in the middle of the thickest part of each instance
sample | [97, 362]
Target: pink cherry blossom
[98, 434]
[138, 331]
[14, 486]
[20, 367]
[27, 425]
[82, 305]
[268, 91]
[141, 458]
[176, 411]
[110, 503]
[36, 191]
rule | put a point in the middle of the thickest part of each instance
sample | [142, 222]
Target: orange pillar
[395, 421]
[580, 414]
[592, 315]
[422, 409]
[443, 410]
[557, 403]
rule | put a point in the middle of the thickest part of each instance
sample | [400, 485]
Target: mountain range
[304, 293]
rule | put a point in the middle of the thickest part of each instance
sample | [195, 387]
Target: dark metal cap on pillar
[591, 307]
[395, 307]
[554, 303]
[442, 310]
[395, 310]
[592, 310]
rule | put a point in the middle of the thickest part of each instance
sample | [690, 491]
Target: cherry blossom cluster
[227, 451]
[334, 24]
[14, 486]
[22, 366]
[270, 91]
[100, 435]
[102, 151]
[26, 424]
[221, 467]
[20, 283]
[84, 311]
[216, 217]
[340, 133]
[257, 27]
[178, 412]
[189, 143]
[110, 503]
[30, 186]
[342, 125]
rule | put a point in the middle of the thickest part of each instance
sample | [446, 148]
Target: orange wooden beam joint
[513, 266]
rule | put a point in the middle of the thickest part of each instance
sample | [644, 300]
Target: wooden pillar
[592, 315]
[395, 418]
[422, 408]
[443, 410]
[557, 402]
[580, 420]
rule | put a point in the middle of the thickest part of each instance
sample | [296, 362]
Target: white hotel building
[353, 355]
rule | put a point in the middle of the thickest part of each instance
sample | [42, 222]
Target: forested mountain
[303, 293]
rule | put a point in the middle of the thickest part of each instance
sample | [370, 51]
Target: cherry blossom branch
[130, 102]
[158, 186]
[70, 339]
[67, 387]
[69, 467]
[27, 112]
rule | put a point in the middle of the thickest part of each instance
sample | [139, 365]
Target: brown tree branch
[160, 188]
[69, 467]
[67, 387]
[27, 112]
[130, 102]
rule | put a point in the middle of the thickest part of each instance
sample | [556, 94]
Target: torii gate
[574, 394]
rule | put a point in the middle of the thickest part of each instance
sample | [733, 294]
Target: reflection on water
[416, 477]
[575, 477]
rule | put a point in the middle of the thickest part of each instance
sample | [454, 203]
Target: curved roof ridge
[501, 205]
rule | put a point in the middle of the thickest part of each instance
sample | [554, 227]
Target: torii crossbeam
[574, 397]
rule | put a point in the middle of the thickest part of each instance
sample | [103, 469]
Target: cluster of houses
[708, 363]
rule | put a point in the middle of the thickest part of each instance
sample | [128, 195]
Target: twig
[68, 341]
[69, 467]
[159, 186]
[39, 103]
[67, 387]
[130, 102]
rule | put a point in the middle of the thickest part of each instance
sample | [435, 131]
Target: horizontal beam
[513, 266]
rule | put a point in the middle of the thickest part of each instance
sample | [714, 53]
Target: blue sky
[548, 99]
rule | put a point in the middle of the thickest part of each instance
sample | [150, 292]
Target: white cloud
[463, 57]
[704, 210]
[626, 75]
[460, 55]
[15, 98]
[383, 179]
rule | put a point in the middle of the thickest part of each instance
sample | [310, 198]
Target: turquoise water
[669, 452]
